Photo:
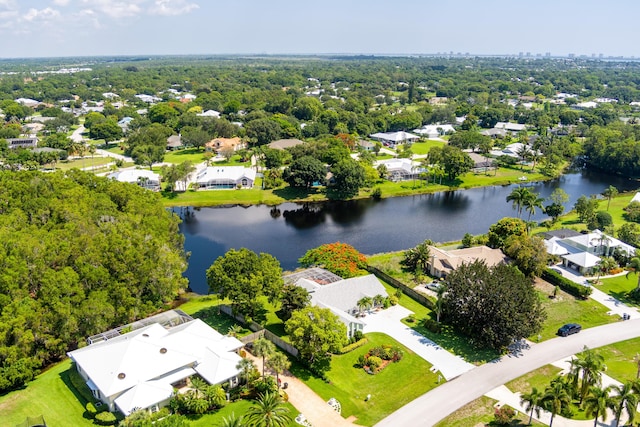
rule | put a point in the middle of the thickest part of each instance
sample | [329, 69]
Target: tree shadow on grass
[455, 343]
[218, 320]
[293, 193]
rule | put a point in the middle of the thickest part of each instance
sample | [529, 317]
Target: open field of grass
[390, 389]
[85, 162]
[622, 359]
[539, 379]
[424, 147]
[565, 309]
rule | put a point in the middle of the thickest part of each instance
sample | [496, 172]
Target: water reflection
[288, 230]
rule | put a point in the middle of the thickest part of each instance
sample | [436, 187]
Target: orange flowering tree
[339, 258]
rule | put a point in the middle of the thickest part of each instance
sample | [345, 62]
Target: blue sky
[36, 28]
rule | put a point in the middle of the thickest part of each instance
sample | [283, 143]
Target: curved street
[435, 405]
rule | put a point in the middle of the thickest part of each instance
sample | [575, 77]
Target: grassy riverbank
[502, 176]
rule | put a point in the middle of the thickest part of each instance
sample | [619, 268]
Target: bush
[91, 409]
[348, 348]
[357, 336]
[374, 362]
[575, 289]
[432, 326]
[105, 419]
[377, 193]
[503, 416]
[393, 300]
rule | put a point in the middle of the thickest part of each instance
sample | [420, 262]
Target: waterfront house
[137, 366]
[442, 262]
[142, 177]
[225, 177]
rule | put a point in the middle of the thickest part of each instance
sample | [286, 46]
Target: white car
[434, 286]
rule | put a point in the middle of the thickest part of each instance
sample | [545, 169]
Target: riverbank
[202, 198]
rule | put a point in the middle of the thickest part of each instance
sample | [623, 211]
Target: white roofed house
[225, 177]
[434, 131]
[394, 138]
[143, 178]
[339, 295]
[141, 368]
[401, 169]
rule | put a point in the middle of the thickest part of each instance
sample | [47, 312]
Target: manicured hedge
[353, 346]
[570, 287]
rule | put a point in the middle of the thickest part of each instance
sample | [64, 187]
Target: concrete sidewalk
[388, 322]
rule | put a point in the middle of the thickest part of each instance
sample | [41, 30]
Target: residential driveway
[388, 322]
[76, 135]
[435, 405]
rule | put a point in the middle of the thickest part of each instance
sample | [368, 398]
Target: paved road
[435, 405]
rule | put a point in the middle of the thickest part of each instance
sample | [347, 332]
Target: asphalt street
[435, 405]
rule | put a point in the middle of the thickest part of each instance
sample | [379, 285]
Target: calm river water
[289, 230]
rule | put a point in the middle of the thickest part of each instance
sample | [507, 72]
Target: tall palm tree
[634, 265]
[442, 289]
[246, 366]
[555, 398]
[518, 197]
[597, 402]
[264, 348]
[592, 366]
[624, 400]
[278, 362]
[268, 411]
[533, 202]
[610, 193]
[532, 402]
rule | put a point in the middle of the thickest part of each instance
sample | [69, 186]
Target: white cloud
[116, 9]
[61, 2]
[172, 7]
[8, 4]
[46, 14]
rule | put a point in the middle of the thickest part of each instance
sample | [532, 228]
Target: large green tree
[493, 306]
[304, 172]
[528, 253]
[348, 178]
[243, 276]
[316, 332]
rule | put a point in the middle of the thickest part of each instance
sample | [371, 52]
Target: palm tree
[519, 196]
[278, 362]
[624, 400]
[215, 395]
[605, 265]
[597, 402]
[363, 303]
[531, 402]
[268, 411]
[555, 398]
[610, 193]
[234, 330]
[246, 366]
[378, 300]
[634, 265]
[523, 152]
[442, 289]
[262, 347]
[232, 421]
[592, 366]
[533, 202]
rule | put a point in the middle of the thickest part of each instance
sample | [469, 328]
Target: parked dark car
[569, 329]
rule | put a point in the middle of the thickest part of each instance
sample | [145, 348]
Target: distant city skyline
[52, 28]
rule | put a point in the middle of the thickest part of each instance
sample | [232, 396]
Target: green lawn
[539, 379]
[618, 286]
[565, 309]
[622, 359]
[396, 385]
[480, 413]
[50, 395]
[424, 147]
[84, 163]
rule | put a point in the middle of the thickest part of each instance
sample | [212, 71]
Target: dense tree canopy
[80, 254]
[492, 306]
[243, 276]
[339, 258]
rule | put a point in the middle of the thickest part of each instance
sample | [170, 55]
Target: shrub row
[347, 348]
[570, 287]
